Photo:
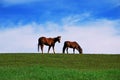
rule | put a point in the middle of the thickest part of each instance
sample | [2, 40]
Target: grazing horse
[74, 45]
[49, 42]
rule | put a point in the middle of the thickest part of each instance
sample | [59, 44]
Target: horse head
[58, 38]
[80, 50]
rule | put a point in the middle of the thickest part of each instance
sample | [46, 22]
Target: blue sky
[51, 10]
[37, 18]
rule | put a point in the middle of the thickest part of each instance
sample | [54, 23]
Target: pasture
[36, 66]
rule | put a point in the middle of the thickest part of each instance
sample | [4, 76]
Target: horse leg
[53, 49]
[49, 49]
[64, 49]
[67, 50]
[42, 48]
[73, 50]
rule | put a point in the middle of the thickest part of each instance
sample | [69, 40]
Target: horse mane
[56, 38]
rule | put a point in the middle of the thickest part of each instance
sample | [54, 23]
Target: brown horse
[49, 42]
[74, 45]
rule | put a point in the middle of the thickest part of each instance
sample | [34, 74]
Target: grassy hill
[59, 66]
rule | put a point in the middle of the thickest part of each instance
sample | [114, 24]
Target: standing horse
[74, 45]
[49, 42]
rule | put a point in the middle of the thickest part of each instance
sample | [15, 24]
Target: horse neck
[55, 40]
[79, 49]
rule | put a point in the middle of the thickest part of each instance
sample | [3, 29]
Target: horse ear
[59, 36]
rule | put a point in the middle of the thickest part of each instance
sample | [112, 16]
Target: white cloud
[70, 20]
[17, 39]
[96, 36]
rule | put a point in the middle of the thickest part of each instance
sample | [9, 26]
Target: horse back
[46, 41]
[70, 44]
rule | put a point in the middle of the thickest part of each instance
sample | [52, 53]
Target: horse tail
[38, 47]
[64, 47]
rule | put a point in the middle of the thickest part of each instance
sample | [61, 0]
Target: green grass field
[36, 66]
